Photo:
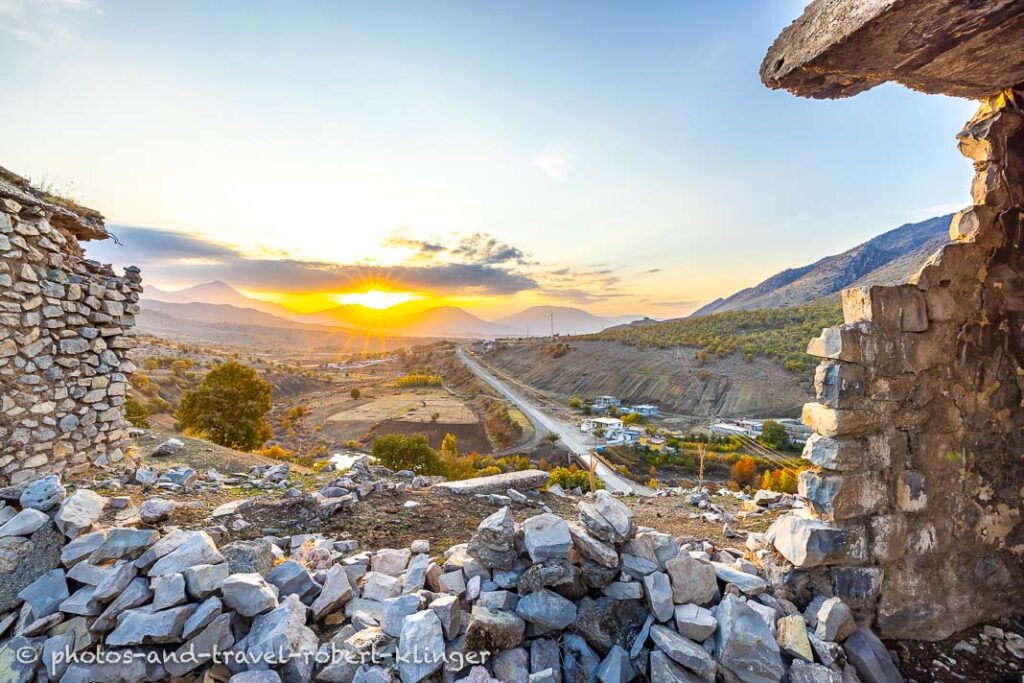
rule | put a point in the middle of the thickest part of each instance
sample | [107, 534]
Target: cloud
[475, 248]
[554, 161]
[43, 22]
[178, 258]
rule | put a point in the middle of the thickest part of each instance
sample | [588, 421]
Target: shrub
[744, 471]
[407, 452]
[354, 393]
[229, 407]
[136, 414]
[418, 380]
[571, 477]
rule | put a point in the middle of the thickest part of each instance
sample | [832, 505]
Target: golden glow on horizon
[377, 299]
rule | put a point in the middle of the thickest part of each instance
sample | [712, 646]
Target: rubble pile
[541, 599]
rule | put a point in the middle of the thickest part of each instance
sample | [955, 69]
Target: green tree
[407, 452]
[228, 407]
[774, 435]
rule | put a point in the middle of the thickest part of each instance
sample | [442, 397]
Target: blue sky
[628, 152]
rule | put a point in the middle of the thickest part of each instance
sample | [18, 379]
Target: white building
[605, 402]
[644, 409]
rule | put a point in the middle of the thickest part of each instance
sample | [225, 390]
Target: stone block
[838, 343]
[910, 491]
[966, 224]
[838, 385]
[842, 496]
[842, 455]
[900, 308]
[831, 422]
[808, 542]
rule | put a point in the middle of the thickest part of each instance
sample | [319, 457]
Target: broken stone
[546, 536]
[43, 494]
[744, 643]
[79, 512]
[695, 622]
[248, 594]
[336, 592]
[138, 627]
[546, 611]
[25, 523]
[685, 652]
[692, 580]
[420, 647]
[791, 635]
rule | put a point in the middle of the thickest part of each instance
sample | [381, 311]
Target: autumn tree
[228, 407]
[407, 452]
[744, 471]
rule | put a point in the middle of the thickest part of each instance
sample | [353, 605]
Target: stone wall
[66, 330]
[917, 499]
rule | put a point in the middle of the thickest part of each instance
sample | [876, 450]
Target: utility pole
[552, 326]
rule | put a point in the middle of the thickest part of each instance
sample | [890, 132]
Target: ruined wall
[66, 329]
[916, 503]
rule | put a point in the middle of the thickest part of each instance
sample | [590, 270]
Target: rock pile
[544, 599]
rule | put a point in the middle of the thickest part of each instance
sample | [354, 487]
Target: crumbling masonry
[66, 329]
[917, 499]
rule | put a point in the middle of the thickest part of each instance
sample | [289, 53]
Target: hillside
[889, 258]
[780, 334]
[677, 379]
[218, 293]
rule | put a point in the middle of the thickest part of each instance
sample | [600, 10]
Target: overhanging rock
[838, 48]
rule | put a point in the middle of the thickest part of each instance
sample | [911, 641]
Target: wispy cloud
[43, 22]
[555, 161]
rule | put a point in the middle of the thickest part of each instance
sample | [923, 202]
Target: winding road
[568, 433]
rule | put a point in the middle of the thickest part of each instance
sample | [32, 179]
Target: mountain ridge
[888, 258]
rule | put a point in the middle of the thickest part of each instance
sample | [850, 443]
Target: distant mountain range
[219, 302]
[888, 259]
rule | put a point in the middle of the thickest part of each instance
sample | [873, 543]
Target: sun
[377, 299]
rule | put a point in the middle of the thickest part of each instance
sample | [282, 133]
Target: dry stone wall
[66, 329]
[917, 498]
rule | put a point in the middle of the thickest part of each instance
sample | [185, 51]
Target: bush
[571, 477]
[418, 380]
[228, 407]
[354, 393]
[136, 414]
[744, 471]
[407, 452]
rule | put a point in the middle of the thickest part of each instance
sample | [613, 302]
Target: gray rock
[659, 595]
[545, 655]
[616, 667]
[195, 547]
[282, 629]
[693, 580]
[492, 631]
[139, 627]
[16, 666]
[79, 512]
[608, 519]
[122, 543]
[449, 611]
[806, 542]
[248, 594]
[156, 510]
[748, 584]
[416, 574]
[664, 670]
[638, 567]
[547, 536]
[25, 523]
[390, 561]
[695, 622]
[203, 580]
[168, 448]
[592, 547]
[137, 593]
[43, 494]
[292, 578]
[249, 557]
[512, 666]
[684, 651]
[547, 611]
[82, 547]
[379, 586]
[791, 635]
[23, 560]
[82, 603]
[605, 622]
[619, 590]
[744, 644]
[498, 600]
[869, 657]
[168, 591]
[116, 580]
[835, 621]
[580, 660]
[55, 654]
[420, 646]
[269, 676]
[394, 611]
[201, 649]
[802, 672]
[206, 612]
[45, 594]
[336, 592]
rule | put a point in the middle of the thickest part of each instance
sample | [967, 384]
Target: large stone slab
[522, 480]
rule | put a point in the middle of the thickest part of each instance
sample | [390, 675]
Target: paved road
[542, 422]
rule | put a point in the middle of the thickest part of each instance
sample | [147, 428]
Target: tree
[354, 393]
[407, 452]
[449, 447]
[136, 414]
[228, 407]
[575, 402]
[744, 471]
[766, 481]
[774, 435]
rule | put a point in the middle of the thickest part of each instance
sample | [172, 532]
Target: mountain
[537, 320]
[438, 321]
[890, 258]
[223, 313]
[215, 292]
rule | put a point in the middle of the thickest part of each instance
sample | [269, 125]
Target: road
[569, 434]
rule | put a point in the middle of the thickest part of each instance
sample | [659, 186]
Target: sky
[619, 157]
